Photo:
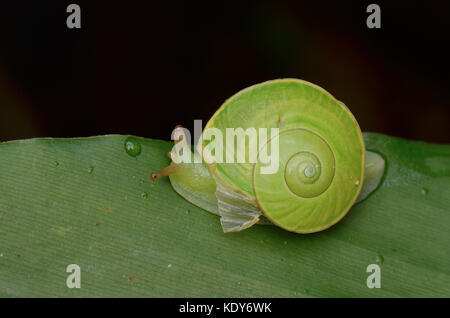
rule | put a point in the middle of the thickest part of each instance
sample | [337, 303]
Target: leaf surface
[87, 202]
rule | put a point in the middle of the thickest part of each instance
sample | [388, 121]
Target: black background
[142, 67]
[350, 307]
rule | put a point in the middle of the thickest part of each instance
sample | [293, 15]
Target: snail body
[321, 160]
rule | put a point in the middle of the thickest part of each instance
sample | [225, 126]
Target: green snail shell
[321, 151]
[321, 161]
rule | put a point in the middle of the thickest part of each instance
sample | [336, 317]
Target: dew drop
[144, 195]
[169, 266]
[132, 146]
[56, 163]
[379, 259]
[356, 182]
[90, 169]
[187, 211]
[424, 191]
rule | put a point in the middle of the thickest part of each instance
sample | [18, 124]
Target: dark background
[141, 68]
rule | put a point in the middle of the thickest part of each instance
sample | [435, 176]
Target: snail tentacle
[191, 180]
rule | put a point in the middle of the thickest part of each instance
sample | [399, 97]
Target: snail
[323, 168]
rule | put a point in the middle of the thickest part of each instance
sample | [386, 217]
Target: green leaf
[87, 202]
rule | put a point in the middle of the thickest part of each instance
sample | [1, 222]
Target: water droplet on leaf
[90, 169]
[379, 259]
[424, 191]
[144, 195]
[132, 146]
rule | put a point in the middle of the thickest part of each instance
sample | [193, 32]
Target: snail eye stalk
[167, 171]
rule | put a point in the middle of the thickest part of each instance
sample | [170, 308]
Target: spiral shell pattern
[321, 154]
